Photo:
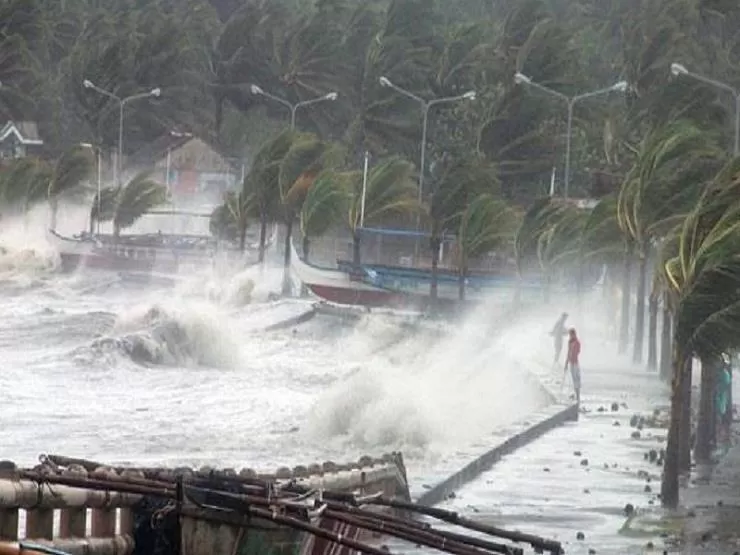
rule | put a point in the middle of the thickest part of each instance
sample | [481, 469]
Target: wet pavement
[576, 482]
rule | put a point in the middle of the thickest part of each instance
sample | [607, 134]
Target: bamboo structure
[318, 509]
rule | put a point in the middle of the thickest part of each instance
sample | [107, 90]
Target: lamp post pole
[293, 107]
[426, 105]
[571, 101]
[679, 70]
[156, 92]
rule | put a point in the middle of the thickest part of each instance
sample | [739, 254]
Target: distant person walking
[558, 332]
[574, 350]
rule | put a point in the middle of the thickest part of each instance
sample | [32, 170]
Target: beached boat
[376, 285]
[152, 253]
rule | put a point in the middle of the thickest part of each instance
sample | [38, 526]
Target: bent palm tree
[135, 199]
[487, 224]
[323, 207]
[657, 192]
[460, 182]
[104, 210]
[70, 171]
[390, 190]
[230, 220]
[704, 278]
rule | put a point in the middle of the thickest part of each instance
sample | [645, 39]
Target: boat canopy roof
[404, 233]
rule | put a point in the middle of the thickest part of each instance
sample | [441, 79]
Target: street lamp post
[678, 70]
[522, 79]
[122, 103]
[425, 106]
[293, 107]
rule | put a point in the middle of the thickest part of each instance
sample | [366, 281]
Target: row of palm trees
[30, 181]
[675, 220]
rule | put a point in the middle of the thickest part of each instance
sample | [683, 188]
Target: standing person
[574, 350]
[558, 332]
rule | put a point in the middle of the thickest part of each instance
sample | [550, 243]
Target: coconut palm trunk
[705, 425]
[461, 282]
[356, 250]
[436, 244]
[287, 283]
[640, 310]
[669, 489]
[665, 340]
[624, 328]
[684, 440]
[263, 238]
[652, 362]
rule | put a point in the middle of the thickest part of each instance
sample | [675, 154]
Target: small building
[19, 139]
[188, 165]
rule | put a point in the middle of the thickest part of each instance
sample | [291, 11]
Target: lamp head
[332, 96]
[385, 82]
[86, 145]
[678, 69]
[621, 86]
[87, 84]
[156, 92]
[470, 95]
[256, 90]
[521, 79]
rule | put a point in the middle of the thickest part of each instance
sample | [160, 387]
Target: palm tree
[462, 180]
[231, 219]
[306, 158]
[104, 210]
[704, 278]
[67, 174]
[390, 191]
[323, 207]
[135, 199]
[487, 224]
[262, 183]
[656, 193]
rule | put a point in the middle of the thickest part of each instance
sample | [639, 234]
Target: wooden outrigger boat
[149, 253]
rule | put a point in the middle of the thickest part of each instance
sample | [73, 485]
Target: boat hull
[88, 253]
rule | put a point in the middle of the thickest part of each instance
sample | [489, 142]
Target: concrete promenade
[577, 480]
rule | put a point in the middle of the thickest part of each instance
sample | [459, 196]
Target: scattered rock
[601, 409]
[452, 495]
[580, 536]
[653, 455]
[615, 407]
[577, 453]
[691, 513]
[720, 503]
[584, 462]
[650, 545]
[635, 435]
[634, 420]
[616, 423]
[586, 490]
[592, 551]
[648, 489]
[629, 509]
[546, 469]
[706, 536]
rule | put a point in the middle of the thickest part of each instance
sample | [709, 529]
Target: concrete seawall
[505, 441]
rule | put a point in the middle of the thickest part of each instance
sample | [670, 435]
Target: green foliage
[487, 224]
[135, 199]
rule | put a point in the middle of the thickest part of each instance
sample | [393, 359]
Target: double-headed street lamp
[293, 107]
[522, 79]
[122, 103]
[425, 106]
[679, 70]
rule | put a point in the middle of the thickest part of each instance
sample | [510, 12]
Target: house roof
[157, 149]
[27, 132]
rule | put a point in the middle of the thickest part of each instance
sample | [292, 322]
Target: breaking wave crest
[185, 335]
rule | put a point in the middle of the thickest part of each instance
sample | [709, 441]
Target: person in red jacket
[574, 350]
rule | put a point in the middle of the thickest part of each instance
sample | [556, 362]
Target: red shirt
[574, 349]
